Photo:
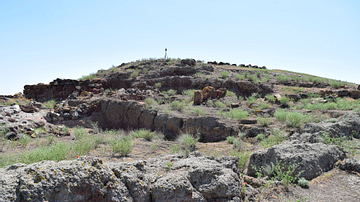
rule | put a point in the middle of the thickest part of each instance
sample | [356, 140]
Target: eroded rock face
[313, 159]
[89, 179]
[128, 114]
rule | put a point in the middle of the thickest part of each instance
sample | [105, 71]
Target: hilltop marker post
[165, 53]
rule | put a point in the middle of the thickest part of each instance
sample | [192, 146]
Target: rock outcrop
[169, 178]
[311, 159]
[348, 126]
[129, 114]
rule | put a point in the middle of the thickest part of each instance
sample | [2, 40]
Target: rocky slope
[318, 119]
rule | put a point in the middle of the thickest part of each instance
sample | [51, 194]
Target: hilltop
[288, 129]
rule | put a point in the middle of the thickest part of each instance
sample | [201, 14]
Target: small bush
[230, 139]
[79, 133]
[123, 145]
[260, 137]
[230, 94]
[224, 74]
[238, 114]
[158, 85]
[277, 137]
[24, 141]
[197, 111]
[83, 146]
[253, 78]
[240, 76]
[134, 74]
[284, 100]
[270, 98]
[171, 92]
[177, 105]
[150, 102]
[265, 79]
[264, 121]
[244, 157]
[143, 133]
[50, 104]
[285, 174]
[239, 145]
[283, 78]
[189, 92]
[188, 141]
[219, 104]
[303, 183]
[291, 119]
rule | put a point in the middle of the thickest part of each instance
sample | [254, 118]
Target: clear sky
[44, 40]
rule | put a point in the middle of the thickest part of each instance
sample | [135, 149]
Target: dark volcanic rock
[89, 179]
[312, 159]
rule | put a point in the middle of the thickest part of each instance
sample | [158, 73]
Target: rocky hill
[175, 125]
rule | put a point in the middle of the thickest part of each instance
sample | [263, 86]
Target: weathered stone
[221, 92]
[253, 131]
[343, 93]
[235, 105]
[190, 62]
[248, 121]
[198, 97]
[89, 179]
[348, 126]
[208, 92]
[350, 165]
[355, 94]
[311, 159]
[253, 105]
[11, 135]
[12, 120]
[294, 97]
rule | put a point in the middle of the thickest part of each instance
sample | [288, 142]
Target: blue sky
[44, 40]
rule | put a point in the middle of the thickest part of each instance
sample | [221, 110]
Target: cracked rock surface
[168, 178]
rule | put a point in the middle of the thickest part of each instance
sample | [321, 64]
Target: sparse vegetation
[277, 136]
[224, 74]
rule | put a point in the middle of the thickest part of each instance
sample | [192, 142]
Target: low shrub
[188, 141]
[50, 104]
[264, 121]
[240, 76]
[171, 92]
[143, 133]
[177, 105]
[224, 74]
[134, 74]
[219, 104]
[291, 119]
[230, 139]
[302, 182]
[283, 78]
[122, 145]
[158, 85]
[79, 133]
[277, 136]
[189, 92]
[244, 157]
[260, 137]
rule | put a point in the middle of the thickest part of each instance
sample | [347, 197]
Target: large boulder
[198, 97]
[348, 125]
[355, 94]
[190, 62]
[311, 159]
[196, 178]
[208, 92]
